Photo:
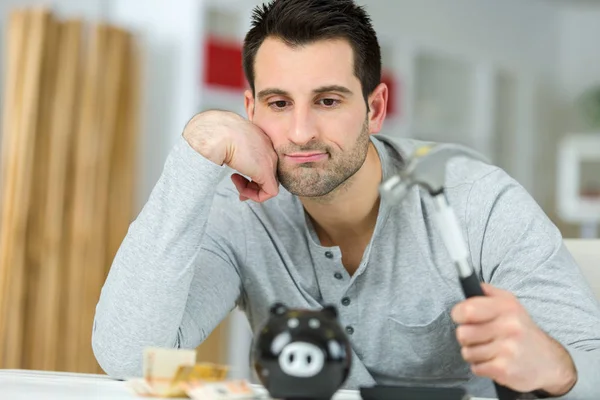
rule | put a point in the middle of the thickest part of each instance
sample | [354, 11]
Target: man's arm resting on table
[163, 289]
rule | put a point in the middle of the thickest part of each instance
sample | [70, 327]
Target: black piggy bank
[302, 354]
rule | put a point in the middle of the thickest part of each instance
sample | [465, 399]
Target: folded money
[166, 370]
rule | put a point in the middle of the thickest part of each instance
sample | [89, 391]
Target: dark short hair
[301, 22]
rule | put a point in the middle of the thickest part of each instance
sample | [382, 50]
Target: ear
[249, 104]
[278, 309]
[378, 101]
[330, 311]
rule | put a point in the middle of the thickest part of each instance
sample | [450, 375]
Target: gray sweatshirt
[195, 252]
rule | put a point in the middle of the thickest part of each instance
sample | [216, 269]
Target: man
[303, 223]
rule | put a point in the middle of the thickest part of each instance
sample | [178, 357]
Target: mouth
[300, 158]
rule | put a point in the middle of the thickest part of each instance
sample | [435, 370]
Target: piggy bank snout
[301, 359]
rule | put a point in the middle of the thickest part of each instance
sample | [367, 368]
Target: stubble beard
[321, 179]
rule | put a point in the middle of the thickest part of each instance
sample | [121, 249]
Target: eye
[329, 102]
[278, 105]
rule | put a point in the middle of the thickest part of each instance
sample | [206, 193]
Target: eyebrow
[333, 88]
[323, 89]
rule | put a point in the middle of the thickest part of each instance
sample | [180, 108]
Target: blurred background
[95, 93]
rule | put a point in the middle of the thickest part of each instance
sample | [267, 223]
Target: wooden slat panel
[33, 336]
[19, 176]
[16, 44]
[54, 233]
[67, 184]
[82, 219]
[124, 155]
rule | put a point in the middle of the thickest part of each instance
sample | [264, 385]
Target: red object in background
[223, 64]
[393, 108]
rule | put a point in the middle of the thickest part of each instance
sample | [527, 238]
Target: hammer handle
[471, 287]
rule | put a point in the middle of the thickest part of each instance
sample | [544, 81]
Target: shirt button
[349, 330]
[337, 275]
[328, 254]
[346, 301]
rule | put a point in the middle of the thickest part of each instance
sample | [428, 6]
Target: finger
[262, 190]
[268, 184]
[480, 353]
[252, 190]
[477, 309]
[246, 188]
[239, 181]
[255, 192]
[271, 186]
[476, 334]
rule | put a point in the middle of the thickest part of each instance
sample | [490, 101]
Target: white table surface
[33, 385]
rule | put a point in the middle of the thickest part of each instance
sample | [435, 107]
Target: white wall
[514, 33]
[579, 60]
[517, 37]
[579, 67]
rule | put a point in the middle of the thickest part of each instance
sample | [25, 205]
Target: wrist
[204, 134]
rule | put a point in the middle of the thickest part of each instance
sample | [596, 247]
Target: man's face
[310, 104]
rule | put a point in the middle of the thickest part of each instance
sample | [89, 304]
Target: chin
[310, 182]
[308, 192]
[306, 189]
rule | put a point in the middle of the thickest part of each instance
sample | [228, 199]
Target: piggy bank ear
[330, 311]
[278, 309]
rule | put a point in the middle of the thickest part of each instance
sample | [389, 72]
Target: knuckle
[461, 334]
[514, 327]
[509, 349]
[513, 306]
[466, 353]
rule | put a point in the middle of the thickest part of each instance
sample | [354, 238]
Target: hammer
[426, 167]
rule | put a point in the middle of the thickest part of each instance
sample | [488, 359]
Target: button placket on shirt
[348, 309]
[337, 274]
[345, 306]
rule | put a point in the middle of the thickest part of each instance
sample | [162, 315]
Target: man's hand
[226, 138]
[501, 342]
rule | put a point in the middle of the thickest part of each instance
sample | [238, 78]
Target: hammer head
[425, 167]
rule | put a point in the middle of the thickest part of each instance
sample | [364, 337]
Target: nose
[303, 129]
[301, 360]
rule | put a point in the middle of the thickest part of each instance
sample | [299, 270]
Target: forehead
[325, 62]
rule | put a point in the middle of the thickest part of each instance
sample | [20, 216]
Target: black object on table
[391, 392]
[302, 354]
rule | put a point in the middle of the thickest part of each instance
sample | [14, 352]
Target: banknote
[161, 366]
[169, 372]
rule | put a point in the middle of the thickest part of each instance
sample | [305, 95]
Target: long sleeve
[168, 285]
[519, 249]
